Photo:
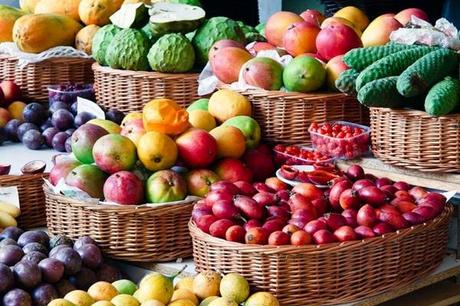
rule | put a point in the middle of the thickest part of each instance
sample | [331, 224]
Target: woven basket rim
[149, 74]
[9, 177]
[48, 60]
[119, 209]
[318, 249]
[295, 95]
[415, 113]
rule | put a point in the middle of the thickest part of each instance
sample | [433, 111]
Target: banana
[7, 220]
[10, 209]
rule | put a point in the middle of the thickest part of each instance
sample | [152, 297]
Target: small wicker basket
[286, 117]
[35, 78]
[31, 198]
[415, 140]
[333, 273]
[128, 91]
[137, 234]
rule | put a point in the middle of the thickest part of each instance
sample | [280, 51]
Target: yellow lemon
[125, 300]
[102, 291]
[201, 119]
[182, 302]
[155, 286]
[234, 287]
[223, 301]
[79, 298]
[184, 294]
[152, 303]
[186, 282]
[225, 104]
[208, 300]
[16, 109]
[103, 303]
[60, 302]
[262, 298]
[206, 284]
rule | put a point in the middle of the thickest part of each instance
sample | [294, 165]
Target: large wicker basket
[35, 78]
[128, 91]
[138, 234]
[286, 117]
[31, 198]
[333, 273]
[415, 140]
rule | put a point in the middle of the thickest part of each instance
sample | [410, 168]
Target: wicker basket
[286, 117]
[35, 78]
[128, 91]
[139, 234]
[415, 140]
[333, 273]
[31, 198]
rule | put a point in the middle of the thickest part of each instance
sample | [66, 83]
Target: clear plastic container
[343, 148]
[284, 158]
[68, 93]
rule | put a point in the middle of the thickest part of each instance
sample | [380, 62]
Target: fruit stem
[172, 277]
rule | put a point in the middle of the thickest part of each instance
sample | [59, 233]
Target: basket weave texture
[31, 198]
[333, 273]
[286, 117]
[36, 77]
[415, 140]
[128, 91]
[137, 234]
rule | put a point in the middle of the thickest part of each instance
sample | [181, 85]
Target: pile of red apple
[356, 206]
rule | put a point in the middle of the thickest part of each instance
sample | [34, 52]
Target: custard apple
[102, 40]
[128, 50]
[172, 53]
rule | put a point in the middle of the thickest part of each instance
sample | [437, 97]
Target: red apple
[313, 16]
[124, 188]
[197, 148]
[404, 16]
[233, 170]
[199, 181]
[337, 39]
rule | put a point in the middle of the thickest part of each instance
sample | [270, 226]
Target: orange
[165, 116]
[16, 109]
[225, 104]
[231, 142]
[355, 16]
[201, 119]
[157, 151]
[102, 291]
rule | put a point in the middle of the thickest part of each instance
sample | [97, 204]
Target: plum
[6, 278]
[82, 241]
[44, 294]
[11, 129]
[83, 279]
[91, 255]
[35, 113]
[35, 246]
[49, 135]
[59, 141]
[60, 240]
[7, 241]
[34, 257]
[26, 126]
[27, 274]
[56, 105]
[45, 125]
[70, 131]
[62, 119]
[56, 249]
[33, 140]
[33, 236]
[11, 232]
[74, 108]
[10, 255]
[64, 286]
[17, 297]
[115, 116]
[108, 273]
[71, 260]
[82, 118]
[52, 270]
[68, 145]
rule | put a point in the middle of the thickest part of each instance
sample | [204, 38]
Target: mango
[84, 38]
[39, 32]
[98, 11]
[379, 30]
[28, 6]
[7, 220]
[67, 8]
[8, 16]
[11, 210]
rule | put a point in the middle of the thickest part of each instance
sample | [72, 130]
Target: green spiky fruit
[128, 50]
[213, 30]
[172, 53]
[102, 40]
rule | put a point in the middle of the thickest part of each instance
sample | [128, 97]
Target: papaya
[8, 16]
[98, 11]
[84, 38]
[67, 8]
[40, 32]
[28, 6]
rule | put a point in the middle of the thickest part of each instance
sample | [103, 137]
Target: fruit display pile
[316, 44]
[356, 206]
[207, 288]
[131, 163]
[36, 125]
[36, 268]
[299, 155]
[393, 75]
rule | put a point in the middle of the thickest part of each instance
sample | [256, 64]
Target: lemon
[206, 284]
[222, 301]
[186, 282]
[184, 294]
[79, 298]
[225, 104]
[125, 300]
[102, 291]
[234, 287]
[262, 299]
[201, 119]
